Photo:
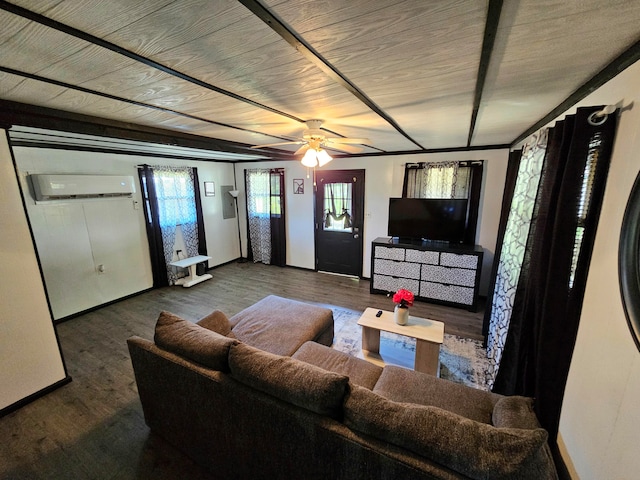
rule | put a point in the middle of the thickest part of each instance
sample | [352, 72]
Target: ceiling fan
[313, 141]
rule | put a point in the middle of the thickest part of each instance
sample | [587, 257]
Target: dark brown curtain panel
[278, 233]
[202, 239]
[550, 289]
[152, 222]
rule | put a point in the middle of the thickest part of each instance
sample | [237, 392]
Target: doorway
[339, 220]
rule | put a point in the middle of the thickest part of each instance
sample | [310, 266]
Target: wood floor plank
[93, 427]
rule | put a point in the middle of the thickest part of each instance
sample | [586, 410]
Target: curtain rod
[460, 162]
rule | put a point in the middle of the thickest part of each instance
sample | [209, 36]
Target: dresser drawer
[447, 293]
[455, 276]
[459, 260]
[392, 284]
[389, 253]
[421, 256]
[397, 269]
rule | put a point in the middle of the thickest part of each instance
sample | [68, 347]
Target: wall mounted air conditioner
[56, 187]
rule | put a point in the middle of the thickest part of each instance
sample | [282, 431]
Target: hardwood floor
[93, 428]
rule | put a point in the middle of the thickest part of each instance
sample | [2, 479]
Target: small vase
[401, 315]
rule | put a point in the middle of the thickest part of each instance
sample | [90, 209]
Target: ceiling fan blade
[348, 140]
[277, 144]
[344, 148]
[302, 149]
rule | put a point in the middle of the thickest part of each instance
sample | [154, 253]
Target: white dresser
[433, 271]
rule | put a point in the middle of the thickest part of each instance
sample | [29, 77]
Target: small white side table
[193, 278]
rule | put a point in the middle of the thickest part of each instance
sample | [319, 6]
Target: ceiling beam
[319, 61]
[490, 31]
[61, 27]
[127, 100]
[620, 63]
[15, 113]
[426, 150]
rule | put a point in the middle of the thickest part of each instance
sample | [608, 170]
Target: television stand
[437, 272]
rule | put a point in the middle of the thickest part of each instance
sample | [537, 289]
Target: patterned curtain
[172, 200]
[258, 211]
[437, 180]
[513, 248]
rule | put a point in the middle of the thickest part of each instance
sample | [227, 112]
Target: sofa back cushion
[192, 341]
[402, 385]
[291, 380]
[472, 448]
[359, 371]
[515, 412]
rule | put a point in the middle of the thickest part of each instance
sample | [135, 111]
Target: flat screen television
[437, 219]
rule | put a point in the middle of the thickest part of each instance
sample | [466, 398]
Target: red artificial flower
[403, 297]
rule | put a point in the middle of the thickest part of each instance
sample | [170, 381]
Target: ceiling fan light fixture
[310, 158]
[323, 158]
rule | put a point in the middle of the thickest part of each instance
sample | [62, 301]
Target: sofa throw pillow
[291, 380]
[515, 412]
[193, 341]
[217, 322]
[472, 448]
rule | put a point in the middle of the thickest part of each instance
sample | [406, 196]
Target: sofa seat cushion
[280, 326]
[359, 371]
[475, 449]
[192, 341]
[403, 385]
[217, 322]
[291, 380]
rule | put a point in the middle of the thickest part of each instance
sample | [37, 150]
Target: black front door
[339, 221]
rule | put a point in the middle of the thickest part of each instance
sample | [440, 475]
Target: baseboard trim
[34, 396]
[77, 314]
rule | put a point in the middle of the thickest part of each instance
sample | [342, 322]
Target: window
[584, 201]
[275, 195]
[337, 206]
[172, 212]
[266, 219]
[438, 180]
[447, 180]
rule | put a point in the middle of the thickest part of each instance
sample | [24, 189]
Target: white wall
[600, 422]
[29, 355]
[383, 179]
[74, 237]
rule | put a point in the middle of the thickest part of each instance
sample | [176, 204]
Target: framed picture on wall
[298, 185]
[209, 189]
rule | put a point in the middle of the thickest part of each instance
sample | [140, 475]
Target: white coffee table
[429, 335]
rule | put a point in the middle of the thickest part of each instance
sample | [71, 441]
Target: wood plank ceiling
[410, 75]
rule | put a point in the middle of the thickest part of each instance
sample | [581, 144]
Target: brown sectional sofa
[262, 396]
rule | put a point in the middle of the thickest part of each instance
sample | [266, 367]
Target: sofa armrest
[360, 372]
